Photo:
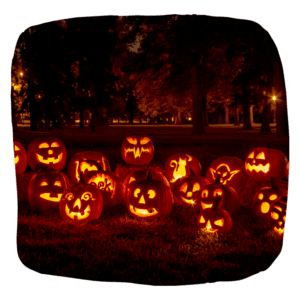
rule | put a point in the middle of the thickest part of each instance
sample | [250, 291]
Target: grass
[171, 251]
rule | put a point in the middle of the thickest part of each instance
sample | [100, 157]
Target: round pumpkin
[81, 202]
[186, 189]
[149, 199]
[263, 200]
[47, 150]
[215, 219]
[137, 150]
[141, 175]
[79, 163]
[20, 158]
[179, 165]
[277, 215]
[209, 192]
[46, 188]
[109, 184]
[231, 169]
[262, 163]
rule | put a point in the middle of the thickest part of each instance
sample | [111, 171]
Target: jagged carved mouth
[258, 168]
[138, 151]
[49, 159]
[78, 215]
[46, 196]
[143, 212]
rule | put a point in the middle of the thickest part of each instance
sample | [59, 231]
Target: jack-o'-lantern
[208, 193]
[286, 170]
[179, 165]
[262, 163]
[215, 219]
[137, 150]
[79, 163]
[276, 217]
[149, 199]
[109, 184]
[263, 200]
[46, 188]
[47, 150]
[231, 169]
[81, 202]
[140, 175]
[20, 158]
[186, 189]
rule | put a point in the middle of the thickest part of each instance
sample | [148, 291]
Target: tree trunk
[226, 114]
[13, 111]
[236, 116]
[205, 113]
[81, 116]
[247, 116]
[266, 116]
[282, 128]
[198, 98]
[178, 117]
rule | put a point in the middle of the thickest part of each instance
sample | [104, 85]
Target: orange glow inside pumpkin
[144, 140]
[49, 159]
[204, 194]
[265, 207]
[104, 182]
[143, 212]
[279, 230]
[179, 168]
[218, 192]
[260, 196]
[219, 222]
[78, 215]
[274, 215]
[204, 205]
[225, 176]
[46, 196]
[273, 197]
[137, 151]
[208, 227]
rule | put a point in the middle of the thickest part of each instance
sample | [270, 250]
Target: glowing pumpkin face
[46, 188]
[20, 158]
[186, 189]
[231, 169]
[47, 150]
[263, 200]
[229, 197]
[179, 165]
[81, 202]
[277, 215]
[262, 163]
[214, 219]
[109, 184]
[79, 163]
[149, 199]
[137, 150]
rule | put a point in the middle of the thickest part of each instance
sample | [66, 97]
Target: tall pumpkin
[179, 165]
[149, 199]
[20, 158]
[47, 150]
[262, 163]
[137, 150]
[46, 187]
[79, 163]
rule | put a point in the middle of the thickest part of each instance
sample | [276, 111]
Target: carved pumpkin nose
[50, 151]
[208, 225]
[142, 200]
[253, 161]
[77, 203]
[280, 223]
[189, 194]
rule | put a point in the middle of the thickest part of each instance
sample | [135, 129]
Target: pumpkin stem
[273, 183]
[217, 181]
[95, 163]
[216, 203]
[192, 173]
[149, 175]
[40, 167]
[81, 177]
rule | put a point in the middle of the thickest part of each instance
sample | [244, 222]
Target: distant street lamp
[274, 98]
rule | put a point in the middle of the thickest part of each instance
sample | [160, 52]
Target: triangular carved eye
[144, 140]
[219, 222]
[184, 187]
[261, 155]
[251, 155]
[131, 140]
[131, 179]
[43, 145]
[17, 148]
[202, 220]
[196, 187]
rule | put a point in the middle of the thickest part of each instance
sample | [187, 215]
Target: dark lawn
[171, 251]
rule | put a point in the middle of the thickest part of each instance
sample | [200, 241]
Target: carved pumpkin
[149, 199]
[286, 170]
[47, 150]
[277, 215]
[179, 165]
[186, 189]
[215, 219]
[20, 158]
[262, 163]
[109, 184]
[263, 200]
[231, 169]
[46, 188]
[137, 150]
[79, 163]
[81, 202]
[209, 192]
[141, 175]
